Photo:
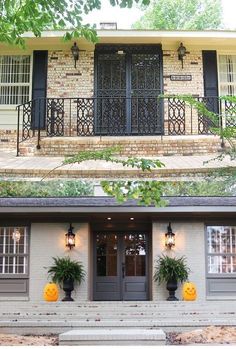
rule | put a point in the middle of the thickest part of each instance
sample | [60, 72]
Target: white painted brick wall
[189, 242]
[47, 241]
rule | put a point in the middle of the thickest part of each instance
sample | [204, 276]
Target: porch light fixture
[181, 53]
[70, 237]
[169, 237]
[16, 235]
[75, 52]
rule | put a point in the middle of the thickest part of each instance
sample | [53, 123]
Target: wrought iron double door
[128, 82]
[120, 266]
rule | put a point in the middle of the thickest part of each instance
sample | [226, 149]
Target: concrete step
[115, 336]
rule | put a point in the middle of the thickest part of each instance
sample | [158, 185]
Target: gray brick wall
[47, 241]
[189, 242]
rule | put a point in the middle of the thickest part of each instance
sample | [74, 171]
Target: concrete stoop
[114, 336]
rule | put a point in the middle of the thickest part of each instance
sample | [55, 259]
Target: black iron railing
[118, 116]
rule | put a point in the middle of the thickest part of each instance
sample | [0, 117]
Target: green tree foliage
[227, 133]
[20, 16]
[182, 14]
[146, 192]
[44, 189]
[215, 185]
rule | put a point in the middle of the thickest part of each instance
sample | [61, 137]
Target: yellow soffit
[199, 40]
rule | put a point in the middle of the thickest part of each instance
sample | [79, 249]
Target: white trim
[145, 34]
[8, 107]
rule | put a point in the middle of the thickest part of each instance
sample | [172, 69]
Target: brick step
[118, 322]
[55, 327]
[120, 317]
[130, 146]
[81, 312]
[26, 304]
[54, 307]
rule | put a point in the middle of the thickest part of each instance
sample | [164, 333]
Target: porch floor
[24, 317]
[183, 167]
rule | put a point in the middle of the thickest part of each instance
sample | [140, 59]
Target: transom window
[15, 75]
[13, 250]
[221, 249]
[227, 75]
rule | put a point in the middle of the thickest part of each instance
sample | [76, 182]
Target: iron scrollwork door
[146, 113]
[128, 82]
[111, 92]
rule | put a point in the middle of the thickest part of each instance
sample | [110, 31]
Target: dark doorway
[128, 80]
[121, 266]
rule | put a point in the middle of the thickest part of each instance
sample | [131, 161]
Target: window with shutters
[15, 79]
[14, 253]
[227, 75]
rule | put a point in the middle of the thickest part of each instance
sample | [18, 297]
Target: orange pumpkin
[189, 291]
[50, 292]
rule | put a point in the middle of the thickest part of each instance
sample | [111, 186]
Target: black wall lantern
[181, 53]
[75, 52]
[70, 238]
[169, 237]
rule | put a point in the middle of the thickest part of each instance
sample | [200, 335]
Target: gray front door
[120, 266]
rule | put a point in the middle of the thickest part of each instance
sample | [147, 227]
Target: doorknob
[123, 270]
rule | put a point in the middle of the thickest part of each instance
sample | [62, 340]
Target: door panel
[111, 92]
[120, 265]
[107, 277]
[135, 263]
[145, 88]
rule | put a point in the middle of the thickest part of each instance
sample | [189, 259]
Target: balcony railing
[118, 116]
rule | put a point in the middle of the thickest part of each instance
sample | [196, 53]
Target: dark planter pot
[68, 287]
[172, 287]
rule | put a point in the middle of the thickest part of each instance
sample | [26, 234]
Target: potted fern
[67, 274]
[171, 271]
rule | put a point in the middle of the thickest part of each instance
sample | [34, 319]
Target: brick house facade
[49, 72]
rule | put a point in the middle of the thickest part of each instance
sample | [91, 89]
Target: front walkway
[37, 167]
